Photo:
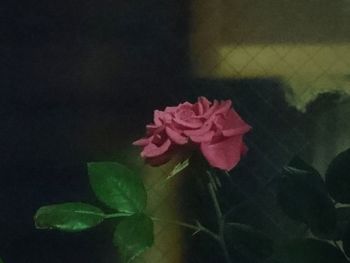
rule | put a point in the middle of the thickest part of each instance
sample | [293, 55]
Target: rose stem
[197, 227]
[221, 220]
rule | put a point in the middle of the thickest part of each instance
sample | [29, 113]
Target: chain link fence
[303, 44]
[262, 55]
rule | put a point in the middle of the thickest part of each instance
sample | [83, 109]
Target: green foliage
[343, 221]
[71, 217]
[338, 177]
[117, 186]
[248, 242]
[309, 251]
[303, 197]
[346, 241]
[133, 235]
[120, 189]
[179, 168]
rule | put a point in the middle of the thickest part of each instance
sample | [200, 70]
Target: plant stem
[341, 249]
[197, 227]
[115, 215]
[220, 219]
[215, 201]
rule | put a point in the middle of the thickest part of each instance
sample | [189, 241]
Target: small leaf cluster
[121, 190]
[322, 205]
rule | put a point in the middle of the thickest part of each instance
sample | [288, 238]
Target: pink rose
[215, 128]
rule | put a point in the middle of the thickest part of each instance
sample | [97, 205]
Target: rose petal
[223, 107]
[191, 123]
[233, 121]
[202, 105]
[198, 108]
[158, 138]
[154, 129]
[225, 154]
[184, 114]
[186, 105]
[244, 149]
[157, 117]
[211, 110]
[171, 109]
[219, 121]
[152, 126]
[204, 102]
[141, 142]
[237, 131]
[202, 130]
[175, 136]
[152, 150]
[207, 137]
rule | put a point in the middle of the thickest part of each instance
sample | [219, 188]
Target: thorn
[196, 232]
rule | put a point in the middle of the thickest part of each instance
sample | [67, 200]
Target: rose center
[185, 114]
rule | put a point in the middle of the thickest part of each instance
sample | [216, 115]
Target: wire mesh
[240, 54]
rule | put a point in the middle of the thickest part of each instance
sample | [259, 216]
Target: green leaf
[117, 186]
[179, 168]
[346, 241]
[133, 236]
[70, 217]
[247, 241]
[309, 251]
[338, 177]
[343, 221]
[302, 195]
[1, 261]
[344, 228]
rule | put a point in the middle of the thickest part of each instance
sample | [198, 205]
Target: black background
[78, 79]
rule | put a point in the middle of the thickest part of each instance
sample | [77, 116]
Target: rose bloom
[213, 127]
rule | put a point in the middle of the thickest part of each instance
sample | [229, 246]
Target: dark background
[78, 80]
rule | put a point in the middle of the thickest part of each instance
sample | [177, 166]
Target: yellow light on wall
[306, 46]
